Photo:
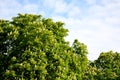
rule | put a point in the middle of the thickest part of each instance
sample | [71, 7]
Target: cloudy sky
[93, 22]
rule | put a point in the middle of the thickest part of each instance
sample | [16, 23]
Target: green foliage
[109, 63]
[106, 67]
[80, 52]
[33, 48]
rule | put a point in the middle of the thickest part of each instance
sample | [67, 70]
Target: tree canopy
[34, 48]
[106, 67]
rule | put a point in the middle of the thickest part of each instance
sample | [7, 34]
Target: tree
[80, 51]
[32, 47]
[109, 63]
[93, 73]
[106, 67]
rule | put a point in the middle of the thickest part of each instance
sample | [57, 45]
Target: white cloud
[113, 20]
[109, 2]
[10, 8]
[90, 2]
[30, 8]
[74, 12]
[58, 6]
[62, 7]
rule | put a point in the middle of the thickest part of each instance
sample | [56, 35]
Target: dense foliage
[106, 67]
[34, 48]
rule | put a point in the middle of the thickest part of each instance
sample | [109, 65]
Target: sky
[95, 23]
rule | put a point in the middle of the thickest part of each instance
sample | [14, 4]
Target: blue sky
[93, 22]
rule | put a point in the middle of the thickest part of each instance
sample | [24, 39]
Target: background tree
[109, 63]
[32, 47]
[106, 67]
[93, 73]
